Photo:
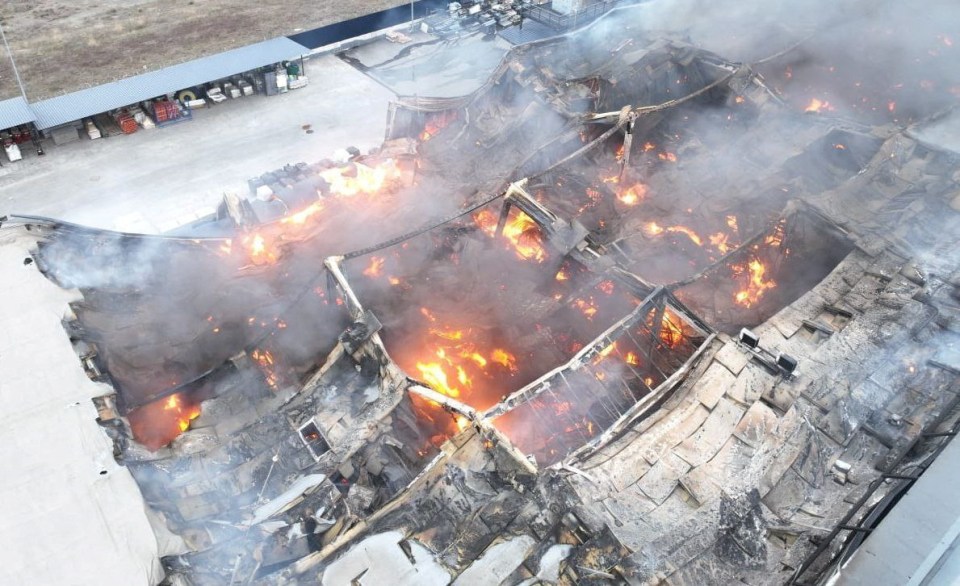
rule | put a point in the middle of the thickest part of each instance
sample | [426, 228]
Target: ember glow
[756, 286]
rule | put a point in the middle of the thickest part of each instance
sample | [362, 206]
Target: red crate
[127, 123]
[165, 110]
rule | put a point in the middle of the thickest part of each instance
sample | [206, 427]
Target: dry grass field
[66, 45]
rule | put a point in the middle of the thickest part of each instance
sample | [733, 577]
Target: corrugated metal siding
[77, 105]
[14, 112]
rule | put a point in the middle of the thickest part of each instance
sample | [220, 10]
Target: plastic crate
[128, 125]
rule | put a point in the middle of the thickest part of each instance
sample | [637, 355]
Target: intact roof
[130, 90]
[918, 539]
[14, 112]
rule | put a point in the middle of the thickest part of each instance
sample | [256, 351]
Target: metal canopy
[101, 98]
[14, 112]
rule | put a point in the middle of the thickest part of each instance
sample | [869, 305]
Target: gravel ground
[62, 46]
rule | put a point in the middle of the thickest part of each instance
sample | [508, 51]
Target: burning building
[544, 333]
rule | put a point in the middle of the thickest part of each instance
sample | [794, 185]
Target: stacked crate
[165, 111]
[128, 124]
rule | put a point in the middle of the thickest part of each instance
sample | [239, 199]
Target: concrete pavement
[154, 180]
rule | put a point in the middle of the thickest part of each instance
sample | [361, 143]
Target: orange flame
[267, 365]
[375, 267]
[671, 332]
[521, 231]
[454, 364]
[436, 123]
[258, 249]
[366, 180]
[504, 358]
[654, 229]
[184, 416]
[720, 242]
[447, 334]
[632, 195]
[756, 286]
[301, 217]
[434, 375]
[604, 353]
[816, 105]
[588, 307]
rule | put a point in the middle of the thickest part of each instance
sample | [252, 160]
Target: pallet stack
[165, 111]
[128, 124]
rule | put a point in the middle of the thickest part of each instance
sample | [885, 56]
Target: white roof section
[62, 519]
[14, 112]
[77, 105]
[918, 542]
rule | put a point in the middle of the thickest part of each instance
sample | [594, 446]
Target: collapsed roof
[500, 344]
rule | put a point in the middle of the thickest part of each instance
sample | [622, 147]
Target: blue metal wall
[362, 25]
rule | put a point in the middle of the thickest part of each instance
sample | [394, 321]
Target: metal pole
[13, 62]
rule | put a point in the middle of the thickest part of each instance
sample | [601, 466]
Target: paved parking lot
[154, 180]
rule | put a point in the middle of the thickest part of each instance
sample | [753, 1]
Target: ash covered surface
[500, 353]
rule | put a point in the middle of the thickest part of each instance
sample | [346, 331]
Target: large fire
[757, 283]
[262, 247]
[457, 363]
[358, 178]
